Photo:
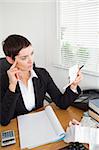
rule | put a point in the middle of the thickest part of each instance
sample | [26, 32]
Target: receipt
[83, 134]
[72, 74]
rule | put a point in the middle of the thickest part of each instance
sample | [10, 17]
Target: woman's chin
[27, 69]
[30, 68]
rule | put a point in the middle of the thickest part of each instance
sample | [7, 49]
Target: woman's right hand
[13, 76]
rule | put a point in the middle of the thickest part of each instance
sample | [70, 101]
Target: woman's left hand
[77, 80]
[74, 122]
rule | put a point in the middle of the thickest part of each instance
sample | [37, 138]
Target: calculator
[7, 137]
[74, 146]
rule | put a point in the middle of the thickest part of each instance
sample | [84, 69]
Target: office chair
[4, 65]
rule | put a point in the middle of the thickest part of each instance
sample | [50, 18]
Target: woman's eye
[23, 58]
[32, 53]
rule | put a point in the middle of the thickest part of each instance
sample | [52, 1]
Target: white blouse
[28, 92]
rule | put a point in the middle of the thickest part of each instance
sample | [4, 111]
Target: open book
[39, 128]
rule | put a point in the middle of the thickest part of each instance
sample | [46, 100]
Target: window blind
[78, 33]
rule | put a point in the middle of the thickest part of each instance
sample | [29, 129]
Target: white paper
[72, 75]
[36, 129]
[83, 134]
[55, 122]
[70, 132]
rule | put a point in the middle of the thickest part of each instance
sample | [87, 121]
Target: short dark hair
[13, 44]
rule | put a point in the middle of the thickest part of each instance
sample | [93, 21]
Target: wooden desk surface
[64, 117]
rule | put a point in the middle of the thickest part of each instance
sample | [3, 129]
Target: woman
[23, 86]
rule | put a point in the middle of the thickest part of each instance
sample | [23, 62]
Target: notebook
[94, 104]
[39, 128]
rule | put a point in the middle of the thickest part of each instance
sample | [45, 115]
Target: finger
[70, 123]
[76, 82]
[13, 74]
[80, 77]
[14, 64]
[67, 129]
[17, 76]
[79, 73]
[75, 121]
[13, 69]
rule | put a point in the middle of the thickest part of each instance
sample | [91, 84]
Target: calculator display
[7, 137]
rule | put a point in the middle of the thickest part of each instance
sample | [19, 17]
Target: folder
[39, 128]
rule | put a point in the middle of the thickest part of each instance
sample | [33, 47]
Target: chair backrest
[4, 65]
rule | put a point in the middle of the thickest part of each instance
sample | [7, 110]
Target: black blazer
[12, 103]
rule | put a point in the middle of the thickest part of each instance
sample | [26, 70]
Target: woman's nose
[30, 58]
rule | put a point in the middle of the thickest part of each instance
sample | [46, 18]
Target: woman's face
[25, 59]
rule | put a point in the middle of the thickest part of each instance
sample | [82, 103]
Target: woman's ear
[9, 59]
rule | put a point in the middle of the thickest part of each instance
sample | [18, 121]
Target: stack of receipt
[87, 131]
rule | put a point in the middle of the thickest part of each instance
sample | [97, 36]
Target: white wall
[37, 21]
[31, 20]
[1, 29]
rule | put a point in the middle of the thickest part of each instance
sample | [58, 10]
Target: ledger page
[36, 129]
[54, 121]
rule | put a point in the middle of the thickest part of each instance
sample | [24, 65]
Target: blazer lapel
[39, 92]
[36, 85]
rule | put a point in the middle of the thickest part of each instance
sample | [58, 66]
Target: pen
[81, 67]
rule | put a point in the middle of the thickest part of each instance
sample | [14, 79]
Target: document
[39, 128]
[72, 74]
[83, 134]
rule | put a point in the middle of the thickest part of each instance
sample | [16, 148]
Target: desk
[64, 117]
